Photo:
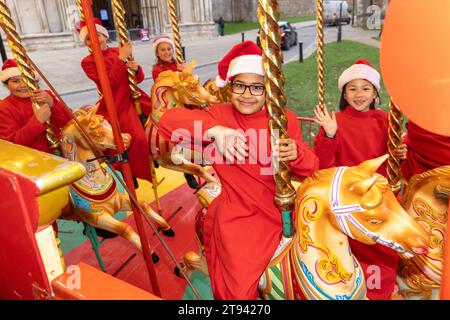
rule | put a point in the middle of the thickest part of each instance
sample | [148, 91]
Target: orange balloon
[415, 61]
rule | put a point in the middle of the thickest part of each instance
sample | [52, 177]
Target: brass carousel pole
[394, 140]
[171, 4]
[119, 14]
[320, 54]
[28, 76]
[268, 16]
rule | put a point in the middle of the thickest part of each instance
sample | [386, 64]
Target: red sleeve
[13, 131]
[307, 162]
[326, 149]
[189, 126]
[140, 75]
[157, 69]
[117, 73]
[60, 116]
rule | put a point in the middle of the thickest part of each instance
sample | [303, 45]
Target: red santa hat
[83, 30]
[158, 41]
[361, 69]
[245, 57]
[9, 70]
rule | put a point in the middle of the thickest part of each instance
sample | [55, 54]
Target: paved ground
[63, 70]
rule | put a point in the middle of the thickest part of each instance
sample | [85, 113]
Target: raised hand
[326, 120]
[126, 51]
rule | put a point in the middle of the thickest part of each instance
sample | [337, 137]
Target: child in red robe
[426, 150]
[357, 133]
[164, 52]
[20, 123]
[117, 61]
[242, 226]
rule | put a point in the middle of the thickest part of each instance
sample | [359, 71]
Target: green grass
[238, 27]
[301, 78]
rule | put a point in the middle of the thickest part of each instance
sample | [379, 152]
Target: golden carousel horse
[175, 89]
[332, 205]
[426, 200]
[223, 95]
[96, 198]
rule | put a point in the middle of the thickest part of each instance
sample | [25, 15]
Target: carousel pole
[268, 15]
[171, 4]
[119, 14]
[320, 54]
[125, 167]
[394, 140]
[28, 76]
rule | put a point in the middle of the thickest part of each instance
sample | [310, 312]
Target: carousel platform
[121, 259]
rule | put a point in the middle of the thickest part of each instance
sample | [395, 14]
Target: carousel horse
[175, 89]
[426, 200]
[332, 205]
[223, 95]
[96, 198]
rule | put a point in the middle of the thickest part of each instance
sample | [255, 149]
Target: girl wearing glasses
[243, 226]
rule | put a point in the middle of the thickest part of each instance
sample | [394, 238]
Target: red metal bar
[125, 167]
[445, 280]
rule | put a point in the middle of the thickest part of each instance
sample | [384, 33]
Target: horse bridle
[343, 214]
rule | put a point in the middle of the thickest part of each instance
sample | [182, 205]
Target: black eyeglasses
[240, 88]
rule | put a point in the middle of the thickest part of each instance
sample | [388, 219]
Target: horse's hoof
[191, 181]
[156, 164]
[136, 183]
[169, 233]
[177, 272]
[155, 257]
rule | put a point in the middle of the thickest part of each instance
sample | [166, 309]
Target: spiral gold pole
[83, 18]
[119, 14]
[171, 4]
[28, 76]
[268, 16]
[394, 140]
[320, 54]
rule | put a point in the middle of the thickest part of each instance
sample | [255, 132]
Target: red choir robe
[242, 226]
[362, 136]
[426, 150]
[19, 125]
[126, 112]
[160, 67]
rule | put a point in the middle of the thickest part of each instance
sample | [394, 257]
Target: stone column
[42, 15]
[54, 14]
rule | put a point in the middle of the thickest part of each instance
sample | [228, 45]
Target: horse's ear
[93, 110]
[189, 68]
[372, 198]
[369, 167]
[361, 187]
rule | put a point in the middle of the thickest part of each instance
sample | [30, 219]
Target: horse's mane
[417, 179]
